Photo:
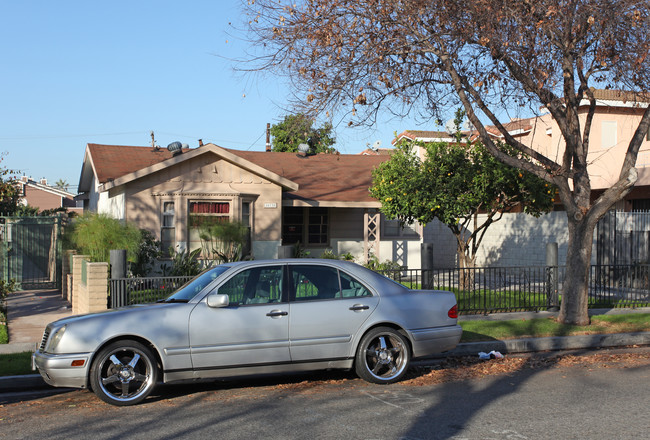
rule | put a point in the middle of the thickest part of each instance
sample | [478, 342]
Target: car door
[325, 312]
[253, 329]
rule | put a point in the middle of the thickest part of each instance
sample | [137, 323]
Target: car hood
[112, 313]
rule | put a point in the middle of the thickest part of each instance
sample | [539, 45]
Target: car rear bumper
[57, 369]
[430, 341]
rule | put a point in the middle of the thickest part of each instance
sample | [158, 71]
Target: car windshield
[190, 289]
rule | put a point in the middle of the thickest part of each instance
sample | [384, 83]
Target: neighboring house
[615, 120]
[519, 239]
[320, 201]
[44, 197]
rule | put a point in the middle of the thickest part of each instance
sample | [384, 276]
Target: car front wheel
[383, 356]
[124, 373]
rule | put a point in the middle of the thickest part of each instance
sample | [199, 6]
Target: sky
[79, 72]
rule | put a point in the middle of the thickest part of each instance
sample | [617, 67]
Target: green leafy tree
[462, 185]
[96, 234]
[9, 191]
[299, 129]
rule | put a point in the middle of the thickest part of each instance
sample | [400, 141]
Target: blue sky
[78, 72]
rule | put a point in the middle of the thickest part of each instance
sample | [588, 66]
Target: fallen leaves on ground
[463, 368]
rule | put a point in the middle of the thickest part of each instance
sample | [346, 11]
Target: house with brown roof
[320, 201]
[45, 197]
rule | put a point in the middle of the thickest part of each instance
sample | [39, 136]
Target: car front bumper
[58, 370]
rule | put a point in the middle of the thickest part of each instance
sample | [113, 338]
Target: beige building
[320, 201]
[615, 120]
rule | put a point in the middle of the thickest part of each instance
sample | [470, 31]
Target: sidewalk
[30, 311]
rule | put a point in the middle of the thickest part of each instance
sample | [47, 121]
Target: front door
[252, 330]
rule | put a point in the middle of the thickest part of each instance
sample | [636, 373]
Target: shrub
[96, 234]
[148, 252]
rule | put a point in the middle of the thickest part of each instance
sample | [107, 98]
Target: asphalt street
[591, 399]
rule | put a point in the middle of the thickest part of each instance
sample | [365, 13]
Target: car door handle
[277, 313]
[359, 307]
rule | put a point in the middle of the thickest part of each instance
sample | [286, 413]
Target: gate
[623, 238]
[30, 250]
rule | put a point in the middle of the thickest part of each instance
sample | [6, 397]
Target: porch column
[371, 228]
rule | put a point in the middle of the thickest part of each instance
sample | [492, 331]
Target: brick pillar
[66, 275]
[97, 287]
[76, 281]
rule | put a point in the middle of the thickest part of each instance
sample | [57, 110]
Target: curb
[511, 346]
[553, 343]
[18, 347]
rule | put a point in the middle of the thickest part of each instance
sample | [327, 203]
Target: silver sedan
[252, 317]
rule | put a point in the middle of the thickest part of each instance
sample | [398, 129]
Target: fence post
[426, 262]
[118, 271]
[552, 286]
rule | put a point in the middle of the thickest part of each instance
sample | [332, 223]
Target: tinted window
[351, 288]
[315, 282]
[258, 285]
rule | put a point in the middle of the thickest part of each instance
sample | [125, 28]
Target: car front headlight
[55, 339]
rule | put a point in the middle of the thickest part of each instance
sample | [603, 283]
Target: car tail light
[453, 312]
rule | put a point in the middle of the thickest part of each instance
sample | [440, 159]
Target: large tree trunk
[575, 290]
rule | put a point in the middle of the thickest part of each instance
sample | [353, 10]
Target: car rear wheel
[124, 373]
[383, 356]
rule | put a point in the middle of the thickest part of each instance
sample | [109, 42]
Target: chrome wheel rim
[386, 356]
[125, 374]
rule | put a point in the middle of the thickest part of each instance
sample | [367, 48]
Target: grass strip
[542, 327]
[16, 364]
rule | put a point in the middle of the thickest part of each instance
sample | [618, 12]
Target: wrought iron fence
[511, 289]
[478, 290]
[127, 291]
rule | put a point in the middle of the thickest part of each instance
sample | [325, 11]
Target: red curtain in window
[209, 208]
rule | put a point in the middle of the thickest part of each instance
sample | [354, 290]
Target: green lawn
[4, 337]
[541, 327]
[16, 364]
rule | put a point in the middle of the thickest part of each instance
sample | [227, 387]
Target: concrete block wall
[515, 240]
[93, 295]
[90, 295]
[76, 281]
[66, 275]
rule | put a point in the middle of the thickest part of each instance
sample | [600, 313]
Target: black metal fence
[478, 290]
[511, 289]
[127, 291]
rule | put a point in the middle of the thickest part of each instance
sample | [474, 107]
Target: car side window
[315, 282]
[258, 285]
[351, 288]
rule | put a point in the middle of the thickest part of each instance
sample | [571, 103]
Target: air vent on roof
[176, 147]
[303, 150]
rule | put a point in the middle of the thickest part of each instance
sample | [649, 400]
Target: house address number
[270, 205]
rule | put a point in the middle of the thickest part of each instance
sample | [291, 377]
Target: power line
[64, 136]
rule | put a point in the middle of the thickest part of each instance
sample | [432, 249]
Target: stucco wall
[205, 178]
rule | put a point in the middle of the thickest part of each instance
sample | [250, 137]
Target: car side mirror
[217, 300]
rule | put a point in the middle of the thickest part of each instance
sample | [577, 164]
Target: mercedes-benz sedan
[251, 318]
